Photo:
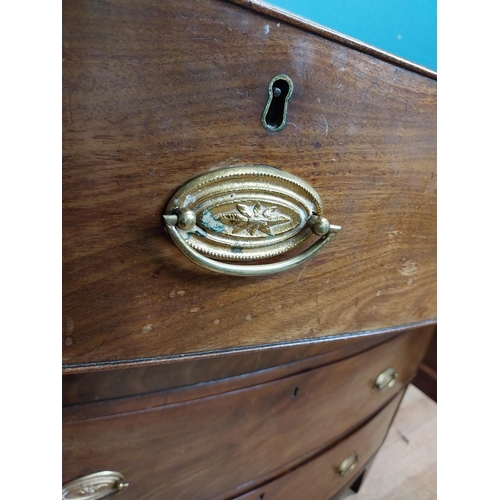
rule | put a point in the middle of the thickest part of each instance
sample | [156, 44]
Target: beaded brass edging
[246, 213]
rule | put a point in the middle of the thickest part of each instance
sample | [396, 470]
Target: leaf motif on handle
[233, 217]
[246, 211]
[268, 212]
[258, 210]
[253, 219]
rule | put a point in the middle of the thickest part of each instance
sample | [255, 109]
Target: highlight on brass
[94, 486]
[348, 464]
[386, 379]
[246, 213]
[275, 112]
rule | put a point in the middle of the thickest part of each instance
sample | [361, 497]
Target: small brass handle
[386, 379]
[246, 213]
[94, 486]
[348, 464]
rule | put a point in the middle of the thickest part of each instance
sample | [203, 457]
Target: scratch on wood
[409, 268]
[297, 279]
[166, 124]
[326, 124]
[147, 328]
[391, 234]
[244, 94]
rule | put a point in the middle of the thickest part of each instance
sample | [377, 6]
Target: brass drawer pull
[348, 464]
[94, 486]
[386, 379]
[246, 213]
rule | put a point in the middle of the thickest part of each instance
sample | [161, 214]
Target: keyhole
[295, 392]
[275, 112]
[261, 496]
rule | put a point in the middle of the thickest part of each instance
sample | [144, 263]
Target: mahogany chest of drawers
[183, 383]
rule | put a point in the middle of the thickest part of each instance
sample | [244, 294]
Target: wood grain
[157, 93]
[410, 347]
[251, 434]
[306, 24]
[318, 479]
[190, 379]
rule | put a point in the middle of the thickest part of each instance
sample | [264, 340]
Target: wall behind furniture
[406, 28]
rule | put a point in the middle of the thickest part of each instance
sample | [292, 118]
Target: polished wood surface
[232, 371]
[277, 13]
[252, 434]
[157, 93]
[319, 479]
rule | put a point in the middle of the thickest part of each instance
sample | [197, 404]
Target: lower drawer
[219, 446]
[324, 476]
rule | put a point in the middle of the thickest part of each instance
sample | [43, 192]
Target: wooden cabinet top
[156, 94]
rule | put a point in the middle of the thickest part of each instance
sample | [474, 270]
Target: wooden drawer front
[319, 479]
[156, 93]
[210, 446]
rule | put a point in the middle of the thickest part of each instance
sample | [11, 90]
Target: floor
[406, 466]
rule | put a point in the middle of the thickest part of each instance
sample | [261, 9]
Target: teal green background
[406, 28]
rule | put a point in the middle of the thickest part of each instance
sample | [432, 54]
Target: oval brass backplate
[94, 486]
[245, 213]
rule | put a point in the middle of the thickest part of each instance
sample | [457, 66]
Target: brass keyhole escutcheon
[275, 112]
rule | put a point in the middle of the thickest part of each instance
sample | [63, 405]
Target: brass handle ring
[246, 213]
[248, 270]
